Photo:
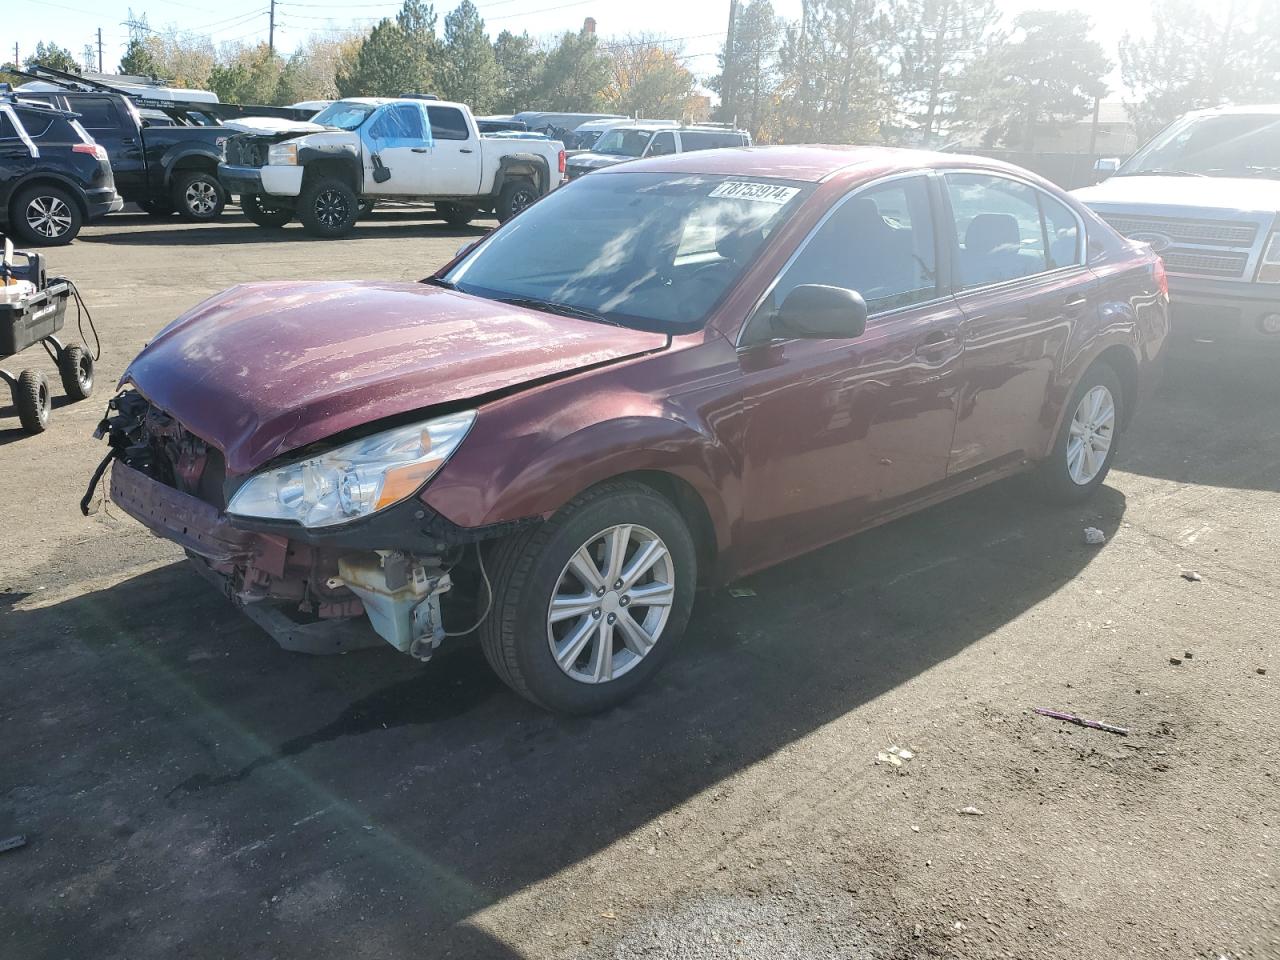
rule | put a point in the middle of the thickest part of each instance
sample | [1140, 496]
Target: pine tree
[756, 36]
[520, 64]
[470, 69]
[138, 60]
[417, 23]
[53, 56]
[574, 76]
[381, 65]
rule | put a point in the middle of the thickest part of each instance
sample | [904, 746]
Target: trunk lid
[265, 368]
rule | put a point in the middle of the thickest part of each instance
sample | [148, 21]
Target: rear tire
[75, 366]
[33, 401]
[536, 656]
[455, 214]
[197, 195]
[263, 212]
[514, 197]
[1088, 438]
[46, 216]
[328, 208]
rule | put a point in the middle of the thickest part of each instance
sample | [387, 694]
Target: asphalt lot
[189, 790]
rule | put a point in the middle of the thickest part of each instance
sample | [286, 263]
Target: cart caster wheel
[75, 364]
[32, 399]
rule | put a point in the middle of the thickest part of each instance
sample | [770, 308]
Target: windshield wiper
[441, 282]
[562, 309]
[1162, 173]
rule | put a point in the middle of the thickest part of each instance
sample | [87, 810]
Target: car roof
[813, 163]
[1259, 109]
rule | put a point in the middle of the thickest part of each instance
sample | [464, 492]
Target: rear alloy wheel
[46, 216]
[328, 208]
[588, 605]
[33, 401]
[263, 212]
[514, 197]
[75, 366]
[1088, 438]
[198, 196]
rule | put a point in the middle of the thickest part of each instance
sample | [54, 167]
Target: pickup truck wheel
[75, 366]
[454, 214]
[31, 397]
[46, 216]
[514, 197]
[198, 195]
[263, 212]
[328, 208]
[588, 605]
[1087, 440]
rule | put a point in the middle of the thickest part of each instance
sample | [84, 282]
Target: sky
[699, 23]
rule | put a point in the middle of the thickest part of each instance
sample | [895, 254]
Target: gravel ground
[188, 789]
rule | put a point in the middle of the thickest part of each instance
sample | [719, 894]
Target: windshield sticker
[759, 192]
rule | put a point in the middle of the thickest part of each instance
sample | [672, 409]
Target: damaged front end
[397, 573]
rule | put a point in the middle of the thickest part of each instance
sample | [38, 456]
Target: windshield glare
[1227, 145]
[623, 143]
[640, 249]
[344, 115]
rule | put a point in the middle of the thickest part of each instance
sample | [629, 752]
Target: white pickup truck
[365, 149]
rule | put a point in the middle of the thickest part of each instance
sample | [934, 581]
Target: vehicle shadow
[9, 414]
[150, 725]
[1212, 423]
[386, 224]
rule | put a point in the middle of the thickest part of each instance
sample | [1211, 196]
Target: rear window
[37, 123]
[703, 140]
[96, 113]
[448, 123]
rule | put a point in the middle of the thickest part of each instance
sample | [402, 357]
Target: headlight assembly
[353, 480]
[282, 155]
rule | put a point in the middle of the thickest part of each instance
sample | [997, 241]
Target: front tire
[514, 197]
[198, 196]
[588, 605]
[33, 400]
[328, 208]
[1088, 438]
[263, 212]
[75, 367]
[46, 216]
[455, 215]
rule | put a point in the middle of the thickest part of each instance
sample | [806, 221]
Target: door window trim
[945, 285]
[949, 224]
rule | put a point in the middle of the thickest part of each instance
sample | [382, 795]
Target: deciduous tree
[574, 75]
[646, 79]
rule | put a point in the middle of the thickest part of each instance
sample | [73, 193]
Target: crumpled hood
[265, 368]
[273, 126]
[596, 160]
[1231, 194]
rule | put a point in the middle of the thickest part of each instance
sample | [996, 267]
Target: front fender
[497, 482]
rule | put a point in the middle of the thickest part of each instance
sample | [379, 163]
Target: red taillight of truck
[561, 161]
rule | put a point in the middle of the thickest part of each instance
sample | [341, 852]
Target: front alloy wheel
[588, 605]
[611, 603]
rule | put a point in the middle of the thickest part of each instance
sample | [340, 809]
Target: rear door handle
[1075, 302]
[937, 338]
[465, 150]
[419, 149]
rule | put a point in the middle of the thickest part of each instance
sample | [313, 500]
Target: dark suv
[53, 177]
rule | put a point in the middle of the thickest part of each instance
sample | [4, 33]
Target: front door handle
[419, 149]
[1075, 302]
[937, 338]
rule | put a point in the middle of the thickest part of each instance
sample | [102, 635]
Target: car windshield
[623, 143]
[1225, 145]
[344, 114]
[644, 250]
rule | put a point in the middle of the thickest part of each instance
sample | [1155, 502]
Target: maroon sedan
[667, 374]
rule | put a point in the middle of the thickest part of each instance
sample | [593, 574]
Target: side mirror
[815, 311]
[1106, 165]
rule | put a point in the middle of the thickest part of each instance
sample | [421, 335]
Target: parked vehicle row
[708, 363]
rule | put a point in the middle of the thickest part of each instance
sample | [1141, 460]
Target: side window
[692, 140]
[1062, 230]
[998, 228]
[448, 123]
[37, 124]
[398, 123]
[96, 113]
[879, 242]
[662, 144]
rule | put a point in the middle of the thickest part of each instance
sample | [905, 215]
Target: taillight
[1161, 275]
[92, 149]
[562, 161]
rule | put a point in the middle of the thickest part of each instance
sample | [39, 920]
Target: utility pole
[730, 62]
[16, 61]
[99, 49]
[271, 30]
